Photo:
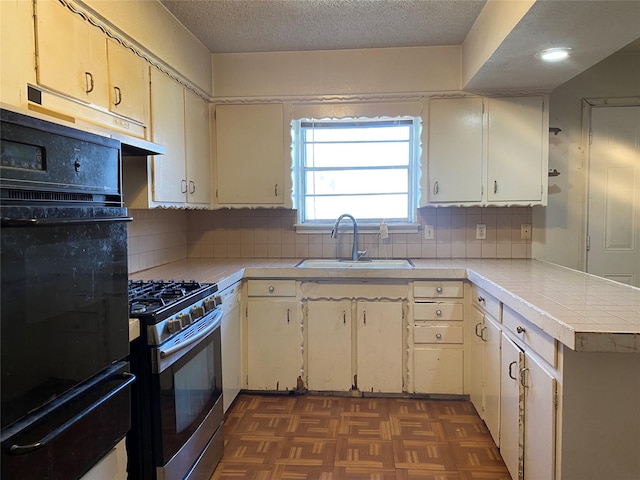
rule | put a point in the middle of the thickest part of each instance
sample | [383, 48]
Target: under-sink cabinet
[354, 336]
[273, 335]
[438, 337]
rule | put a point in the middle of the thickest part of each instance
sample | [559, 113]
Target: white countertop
[582, 311]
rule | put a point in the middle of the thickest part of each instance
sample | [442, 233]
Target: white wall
[558, 228]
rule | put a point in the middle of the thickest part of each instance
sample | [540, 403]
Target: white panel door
[329, 345]
[492, 335]
[476, 347]
[614, 194]
[198, 150]
[128, 83]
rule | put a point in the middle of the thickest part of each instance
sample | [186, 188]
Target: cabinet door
[455, 147]
[438, 370]
[476, 348]
[379, 346]
[128, 83]
[167, 127]
[250, 154]
[515, 149]
[274, 344]
[231, 345]
[72, 54]
[198, 151]
[539, 422]
[329, 345]
[511, 409]
[492, 336]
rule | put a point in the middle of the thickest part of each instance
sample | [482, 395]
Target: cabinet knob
[480, 299]
[439, 313]
[271, 289]
[520, 329]
[439, 336]
[439, 290]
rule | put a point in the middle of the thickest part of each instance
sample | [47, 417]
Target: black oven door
[64, 314]
[189, 391]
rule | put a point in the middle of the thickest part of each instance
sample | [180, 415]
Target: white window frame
[413, 168]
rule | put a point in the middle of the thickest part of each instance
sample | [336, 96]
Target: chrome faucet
[355, 254]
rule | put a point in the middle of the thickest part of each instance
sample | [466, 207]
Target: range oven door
[187, 386]
[64, 315]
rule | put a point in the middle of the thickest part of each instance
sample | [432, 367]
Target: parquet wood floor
[309, 437]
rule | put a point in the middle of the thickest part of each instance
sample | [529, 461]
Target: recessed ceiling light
[554, 54]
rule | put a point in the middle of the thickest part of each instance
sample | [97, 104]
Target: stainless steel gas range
[177, 410]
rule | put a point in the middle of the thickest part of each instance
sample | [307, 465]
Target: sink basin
[366, 263]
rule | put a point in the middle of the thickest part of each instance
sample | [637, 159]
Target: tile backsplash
[162, 236]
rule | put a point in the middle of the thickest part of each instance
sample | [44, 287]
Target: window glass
[366, 168]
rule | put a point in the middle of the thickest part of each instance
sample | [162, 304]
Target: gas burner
[149, 298]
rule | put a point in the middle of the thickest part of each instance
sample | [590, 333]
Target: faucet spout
[334, 234]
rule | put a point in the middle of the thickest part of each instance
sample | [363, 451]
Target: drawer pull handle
[288, 315]
[520, 329]
[511, 373]
[344, 317]
[271, 289]
[436, 188]
[439, 290]
[478, 334]
[439, 313]
[482, 330]
[439, 336]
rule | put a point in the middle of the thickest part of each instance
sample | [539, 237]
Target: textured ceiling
[230, 26]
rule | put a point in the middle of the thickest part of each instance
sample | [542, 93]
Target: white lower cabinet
[379, 346]
[528, 414]
[274, 336]
[438, 370]
[231, 340]
[329, 345]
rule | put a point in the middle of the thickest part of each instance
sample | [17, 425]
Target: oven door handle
[48, 222]
[128, 378]
[165, 352]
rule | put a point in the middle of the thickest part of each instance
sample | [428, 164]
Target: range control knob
[185, 319]
[174, 325]
[198, 311]
[209, 304]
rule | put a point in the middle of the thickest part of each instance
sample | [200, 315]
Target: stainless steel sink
[365, 263]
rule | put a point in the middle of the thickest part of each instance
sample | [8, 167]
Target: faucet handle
[361, 253]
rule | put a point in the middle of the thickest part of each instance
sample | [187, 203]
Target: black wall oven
[64, 316]
[177, 403]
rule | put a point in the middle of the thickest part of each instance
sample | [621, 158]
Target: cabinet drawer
[271, 288]
[437, 311]
[437, 334]
[531, 335]
[438, 289]
[486, 302]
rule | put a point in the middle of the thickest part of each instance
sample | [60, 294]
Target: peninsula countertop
[582, 311]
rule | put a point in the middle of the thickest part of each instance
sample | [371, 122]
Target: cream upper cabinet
[128, 83]
[71, 54]
[167, 128]
[455, 152]
[517, 150]
[198, 150]
[250, 155]
[486, 151]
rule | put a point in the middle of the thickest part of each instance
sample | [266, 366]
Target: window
[367, 168]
